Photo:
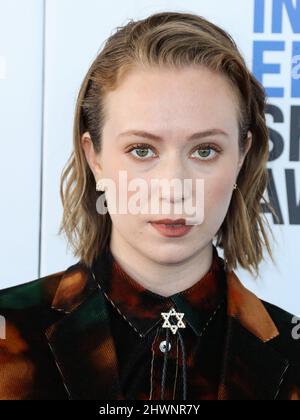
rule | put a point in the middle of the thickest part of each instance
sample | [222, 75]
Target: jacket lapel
[252, 369]
[82, 341]
[83, 346]
[84, 351]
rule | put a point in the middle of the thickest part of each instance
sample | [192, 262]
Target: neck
[164, 279]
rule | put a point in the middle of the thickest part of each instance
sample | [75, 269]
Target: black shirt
[140, 338]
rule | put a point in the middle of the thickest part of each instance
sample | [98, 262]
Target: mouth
[171, 228]
[170, 222]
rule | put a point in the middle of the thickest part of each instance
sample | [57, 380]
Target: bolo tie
[174, 328]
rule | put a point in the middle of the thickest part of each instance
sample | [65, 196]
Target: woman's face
[172, 105]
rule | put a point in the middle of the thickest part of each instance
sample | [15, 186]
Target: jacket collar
[83, 347]
[142, 308]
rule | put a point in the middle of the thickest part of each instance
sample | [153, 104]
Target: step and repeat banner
[46, 47]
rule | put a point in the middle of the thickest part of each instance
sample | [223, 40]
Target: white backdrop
[46, 49]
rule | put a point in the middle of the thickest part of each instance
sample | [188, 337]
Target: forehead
[173, 98]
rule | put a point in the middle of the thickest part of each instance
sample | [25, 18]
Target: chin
[170, 253]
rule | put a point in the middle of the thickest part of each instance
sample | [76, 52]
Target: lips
[170, 222]
[171, 228]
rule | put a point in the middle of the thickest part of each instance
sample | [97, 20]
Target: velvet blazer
[58, 343]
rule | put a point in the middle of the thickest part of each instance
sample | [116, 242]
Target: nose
[173, 174]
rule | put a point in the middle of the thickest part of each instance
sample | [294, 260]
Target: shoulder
[288, 345]
[27, 367]
[35, 293]
[282, 316]
[288, 324]
[273, 325]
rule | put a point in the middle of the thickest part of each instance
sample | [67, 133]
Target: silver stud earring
[99, 185]
[235, 186]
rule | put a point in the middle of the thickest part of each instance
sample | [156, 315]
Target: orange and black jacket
[60, 344]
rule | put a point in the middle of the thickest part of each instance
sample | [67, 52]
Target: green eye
[141, 151]
[205, 153]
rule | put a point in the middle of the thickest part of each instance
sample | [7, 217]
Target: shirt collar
[142, 308]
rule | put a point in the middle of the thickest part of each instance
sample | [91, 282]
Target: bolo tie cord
[184, 377]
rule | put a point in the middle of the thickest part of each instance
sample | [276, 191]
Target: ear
[247, 148]
[93, 159]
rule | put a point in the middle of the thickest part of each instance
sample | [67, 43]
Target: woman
[150, 310]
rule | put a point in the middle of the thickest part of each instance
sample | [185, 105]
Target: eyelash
[148, 146]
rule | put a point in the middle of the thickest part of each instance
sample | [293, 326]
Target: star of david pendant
[167, 324]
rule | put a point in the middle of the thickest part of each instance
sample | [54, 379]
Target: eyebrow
[194, 136]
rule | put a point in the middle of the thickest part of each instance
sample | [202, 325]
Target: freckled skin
[172, 104]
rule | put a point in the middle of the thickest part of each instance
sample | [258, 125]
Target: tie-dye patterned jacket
[56, 343]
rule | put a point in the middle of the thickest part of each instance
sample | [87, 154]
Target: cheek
[124, 222]
[128, 227]
[219, 188]
[218, 193]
